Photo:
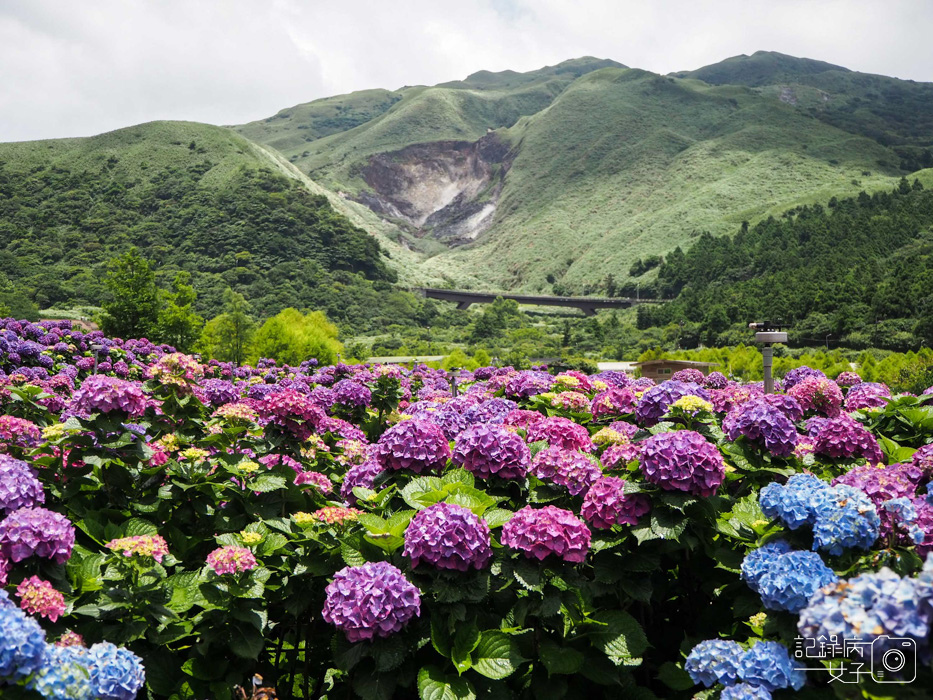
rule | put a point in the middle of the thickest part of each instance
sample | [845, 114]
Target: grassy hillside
[190, 197]
[606, 165]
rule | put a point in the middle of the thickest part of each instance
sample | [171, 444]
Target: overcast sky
[82, 67]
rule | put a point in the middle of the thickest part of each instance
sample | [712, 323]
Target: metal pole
[767, 355]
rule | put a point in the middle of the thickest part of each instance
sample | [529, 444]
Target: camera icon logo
[894, 659]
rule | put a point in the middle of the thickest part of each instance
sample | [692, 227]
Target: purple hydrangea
[606, 504]
[101, 394]
[683, 461]
[613, 378]
[881, 483]
[715, 380]
[568, 468]
[613, 402]
[36, 532]
[798, 374]
[492, 411]
[540, 532]
[372, 600]
[528, 383]
[485, 450]
[847, 379]
[359, 475]
[843, 438]
[688, 375]
[448, 536]
[561, 432]
[19, 487]
[867, 395]
[413, 444]
[351, 394]
[655, 401]
[763, 425]
[788, 405]
[220, 391]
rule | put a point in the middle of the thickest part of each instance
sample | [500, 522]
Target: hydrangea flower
[618, 456]
[745, 691]
[372, 600]
[656, 401]
[219, 392]
[38, 597]
[787, 405]
[881, 483]
[19, 432]
[763, 425]
[22, 644]
[359, 475]
[351, 394]
[606, 504]
[292, 411]
[715, 380]
[36, 532]
[415, 445]
[315, 479]
[614, 401]
[492, 411]
[768, 665]
[485, 450]
[102, 394]
[714, 661]
[153, 546]
[817, 394]
[237, 413]
[568, 468]
[683, 461]
[561, 432]
[116, 673]
[845, 518]
[332, 515]
[448, 536]
[231, 559]
[539, 532]
[785, 580]
[19, 487]
[867, 395]
[689, 374]
[64, 674]
[527, 383]
[798, 374]
[843, 438]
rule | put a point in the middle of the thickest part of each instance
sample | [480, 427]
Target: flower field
[169, 528]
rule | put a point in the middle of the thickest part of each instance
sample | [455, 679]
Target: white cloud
[78, 68]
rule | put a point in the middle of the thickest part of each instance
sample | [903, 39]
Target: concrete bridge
[589, 305]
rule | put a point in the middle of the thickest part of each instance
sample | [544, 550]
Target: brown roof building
[660, 370]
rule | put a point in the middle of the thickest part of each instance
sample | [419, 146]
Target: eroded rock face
[446, 189]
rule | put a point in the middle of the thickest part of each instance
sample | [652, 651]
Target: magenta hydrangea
[561, 432]
[881, 483]
[689, 374]
[843, 438]
[103, 394]
[787, 405]
[38, 532]
[683, 461]
[528, 383]
[485, 450]
[763, 425]
[568, 468]
[818, 394]
[613, 402]
[618, 456]
[19, 487]
[798, 374]
[541, 532]
[847, 379]
[372, 600]
[416, 445]
[359, 475]
[867, 395]
[606, 504]
[715, 380]
[448, 536]
[292, 411]
[655, 401]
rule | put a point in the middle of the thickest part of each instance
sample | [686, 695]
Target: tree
[179, 324]
[133, 310]
[227, 337]
[292, 338]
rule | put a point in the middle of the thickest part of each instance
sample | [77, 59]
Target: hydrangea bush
[170, 527]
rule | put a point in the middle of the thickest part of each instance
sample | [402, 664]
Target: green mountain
[568, 178]
[191, 197]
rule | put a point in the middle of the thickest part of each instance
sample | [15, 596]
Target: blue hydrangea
[769, 666]
[845, 519]
[714, 661]
[786, 580]
[22, 644]
[870, 606]
[5, 601]
[794, 502]
[745, 691]
[64, 675]
[116, 673]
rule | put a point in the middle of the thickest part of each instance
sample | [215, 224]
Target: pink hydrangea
[485, 450]
[847, 379]
[102, 394]
[372, 600]
[683, 461]
[818, 394]
[448, 536]
[618, 456]
[231, 559]
[606, 504]
[561, 432]
[541, 532]
[689, 375]
[614, 402]
[316, 479]
[18, 432]
[153, 546]
[292, 411]
[843, 438]
[38, 597]
[568, 468]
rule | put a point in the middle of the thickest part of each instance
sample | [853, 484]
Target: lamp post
[97, 349]
[766, 334]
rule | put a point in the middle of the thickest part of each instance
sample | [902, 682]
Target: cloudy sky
[81, 67]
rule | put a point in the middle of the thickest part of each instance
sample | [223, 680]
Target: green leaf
[351, 555]
[560, 660]
[266, 483]
[497, 517]
[398, 523]
[465, 641]
[389, 653]
[271, 543]
[461, 476]
[440, 637]
[674, 677]
[621, 638]
[468, 497]
[137, 526]
[497, 655]
[246, 641]
[373, 523]
[433, 684]
[423, 491]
